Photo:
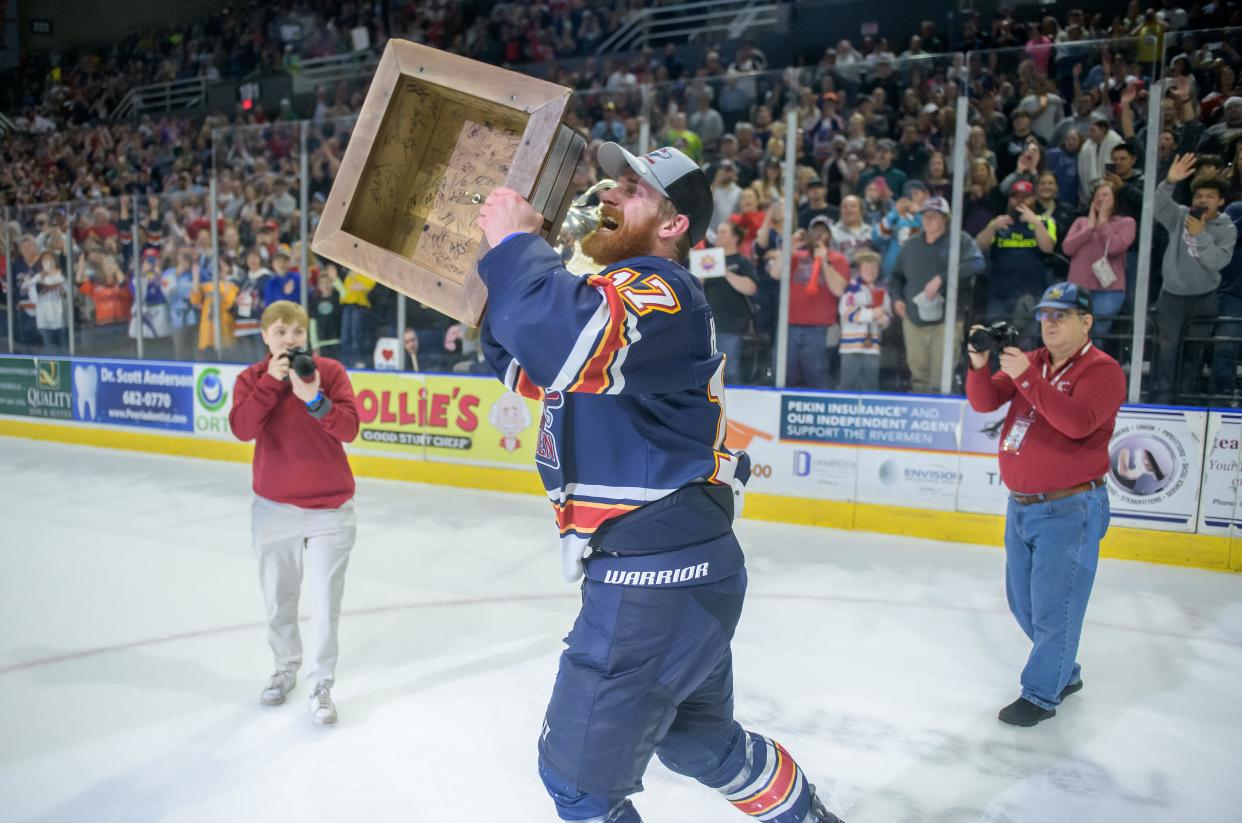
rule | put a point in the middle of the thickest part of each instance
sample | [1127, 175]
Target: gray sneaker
[278, 687]
[322, 709]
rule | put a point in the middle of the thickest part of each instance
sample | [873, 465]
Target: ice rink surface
[133, 653]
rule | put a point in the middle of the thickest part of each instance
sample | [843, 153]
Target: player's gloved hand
[740, 475]
[573, 551]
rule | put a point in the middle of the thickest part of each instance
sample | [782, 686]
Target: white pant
[281, 533]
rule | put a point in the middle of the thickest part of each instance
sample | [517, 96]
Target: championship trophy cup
[436, 134]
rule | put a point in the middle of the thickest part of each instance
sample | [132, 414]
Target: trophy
[436, 134]
[581, 219]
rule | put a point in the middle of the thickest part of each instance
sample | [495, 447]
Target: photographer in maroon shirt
[1063, 402]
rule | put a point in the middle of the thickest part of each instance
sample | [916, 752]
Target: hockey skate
[278, 687]
[820, 814]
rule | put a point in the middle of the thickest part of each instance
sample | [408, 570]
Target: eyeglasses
[1053, 315]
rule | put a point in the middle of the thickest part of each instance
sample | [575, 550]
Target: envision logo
[210, 390]
[892, 473]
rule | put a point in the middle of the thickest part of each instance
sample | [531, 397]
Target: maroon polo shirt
[1074, 412]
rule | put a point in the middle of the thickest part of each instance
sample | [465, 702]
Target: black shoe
[1023, 712]
[819, 813]
[1071, 688]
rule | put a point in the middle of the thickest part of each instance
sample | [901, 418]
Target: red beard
[629, 239]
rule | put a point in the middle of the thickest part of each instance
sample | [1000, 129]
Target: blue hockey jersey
[625, 364]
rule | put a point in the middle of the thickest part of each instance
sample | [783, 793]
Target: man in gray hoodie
[1201, 242]
[918, 285]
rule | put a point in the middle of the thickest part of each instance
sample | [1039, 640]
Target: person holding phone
[1126, 179]
[1020, 244]
[1201, 242]
[1098, 150]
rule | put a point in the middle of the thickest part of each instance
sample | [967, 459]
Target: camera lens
[981, 340]
[302, 364]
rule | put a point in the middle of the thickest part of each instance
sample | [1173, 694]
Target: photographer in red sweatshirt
[1063, 400]
[303, 512]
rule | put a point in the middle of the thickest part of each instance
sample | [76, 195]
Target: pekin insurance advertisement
[1155, 467]
[907, 447]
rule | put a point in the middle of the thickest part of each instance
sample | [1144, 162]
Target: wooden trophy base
[437, 133]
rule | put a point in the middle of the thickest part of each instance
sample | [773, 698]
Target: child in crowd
[866, 311]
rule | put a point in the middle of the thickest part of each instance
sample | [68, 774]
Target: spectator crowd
[1057, 114]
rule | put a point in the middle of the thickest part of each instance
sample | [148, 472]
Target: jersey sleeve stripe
[632, 336]
[516, 380]
[581, 350]
[594, 378]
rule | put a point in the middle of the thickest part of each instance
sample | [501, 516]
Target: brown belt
[1028, 499]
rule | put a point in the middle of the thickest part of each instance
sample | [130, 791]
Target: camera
[1111, 168]
[999, 335]
[301, 363]
[1197, 212]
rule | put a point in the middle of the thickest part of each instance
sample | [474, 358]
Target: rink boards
[906, 464]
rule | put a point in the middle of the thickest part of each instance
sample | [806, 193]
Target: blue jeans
[1106, 305]
[55, 341]
[1225, 358]
[806, 364]
[860, 372]
[730, 345]
[1051, 553]
[353, 335]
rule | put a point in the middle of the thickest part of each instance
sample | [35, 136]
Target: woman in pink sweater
[1102, 233]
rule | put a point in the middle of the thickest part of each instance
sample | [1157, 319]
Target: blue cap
[1065, 296]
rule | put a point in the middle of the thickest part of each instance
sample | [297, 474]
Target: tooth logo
[86, 389]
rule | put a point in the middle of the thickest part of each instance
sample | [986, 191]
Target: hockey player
[631, 451]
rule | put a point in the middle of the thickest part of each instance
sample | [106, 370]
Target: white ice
[133, 652]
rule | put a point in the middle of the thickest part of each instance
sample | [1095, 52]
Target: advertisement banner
[1222, 469]
[908, 447]
[918, 480]
[36, 387]
[1155, 468]
[980, 489]
[213, 398]
[794, 469]
[923, 424]
[151, 395]
[445, 417]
